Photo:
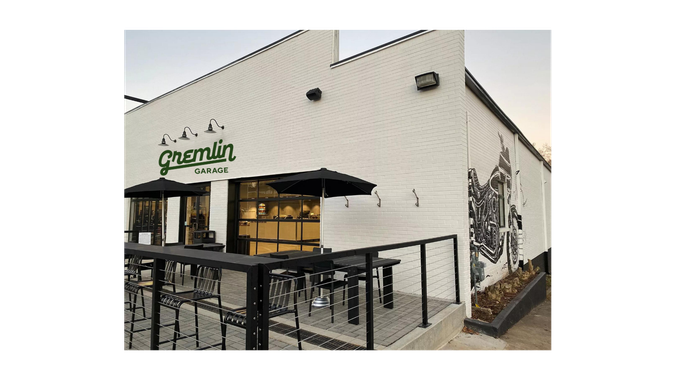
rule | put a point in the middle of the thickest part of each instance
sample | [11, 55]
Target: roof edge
[481, 93]
[266, 47]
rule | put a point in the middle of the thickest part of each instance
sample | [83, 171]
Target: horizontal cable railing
[366, 298]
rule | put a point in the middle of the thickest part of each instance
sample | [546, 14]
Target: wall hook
[417, 200]
[348, 202]
[378, 198]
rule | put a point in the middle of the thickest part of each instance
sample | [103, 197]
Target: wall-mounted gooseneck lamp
[184, 136]
[211, 129]
[164, 143]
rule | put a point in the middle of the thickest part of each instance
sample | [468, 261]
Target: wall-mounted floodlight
[427, 80]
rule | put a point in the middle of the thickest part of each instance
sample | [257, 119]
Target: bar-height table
[353, 265]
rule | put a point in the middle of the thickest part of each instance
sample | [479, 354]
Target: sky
[513, 66]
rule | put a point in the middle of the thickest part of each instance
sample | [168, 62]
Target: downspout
[544, 204]
[517, 181]
[467, 131]
[517, 185]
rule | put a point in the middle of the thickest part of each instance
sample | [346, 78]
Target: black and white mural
[484, 201]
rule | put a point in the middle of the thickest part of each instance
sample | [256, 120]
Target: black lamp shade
[184, 137]
[211, 128]
[164, 142]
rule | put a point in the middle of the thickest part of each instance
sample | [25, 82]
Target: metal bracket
[378, 198]
[417, 200]
[348, 202]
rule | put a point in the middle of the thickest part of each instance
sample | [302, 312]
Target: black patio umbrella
[162, 188]
[324, 183]
[333, 183]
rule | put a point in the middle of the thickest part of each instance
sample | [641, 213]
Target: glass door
[195, 215]
[271, 222]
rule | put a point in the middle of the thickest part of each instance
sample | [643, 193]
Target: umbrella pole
[321, 300]
[321, 224]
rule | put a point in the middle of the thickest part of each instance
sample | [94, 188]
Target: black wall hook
[378, 198]
[417, 200]
[348, 202]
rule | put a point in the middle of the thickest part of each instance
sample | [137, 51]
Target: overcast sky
[513, 66]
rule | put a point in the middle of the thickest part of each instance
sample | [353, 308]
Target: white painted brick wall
[218, 210]
[371, 123]
[548, 204]
[485, 148]
[532, 212]
[127, 227]
[173, 219]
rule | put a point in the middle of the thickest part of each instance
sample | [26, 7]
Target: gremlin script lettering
[171, 160]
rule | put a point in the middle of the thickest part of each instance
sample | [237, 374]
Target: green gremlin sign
[197, 157]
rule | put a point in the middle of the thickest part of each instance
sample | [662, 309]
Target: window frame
[278, 200]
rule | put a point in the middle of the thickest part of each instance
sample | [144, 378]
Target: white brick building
[371, 123]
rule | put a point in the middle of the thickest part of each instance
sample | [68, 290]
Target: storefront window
[267, 230]
[248, 210]
[268, 209]
[266, 191]
[311, 233]
[290, 209]
[248, 190]
[289, 247]
[145, 217]
[290, 231]
[272, 222]
[311, 209]
[266, 247]
[247, 229]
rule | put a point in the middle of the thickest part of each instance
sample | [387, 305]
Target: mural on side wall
[484, 220]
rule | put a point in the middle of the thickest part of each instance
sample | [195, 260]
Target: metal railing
[269, 291]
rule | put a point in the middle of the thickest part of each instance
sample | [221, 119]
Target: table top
[200, 257]
[360, 262]
[243, 262]
[205, 245]
[357, 261]
[289, 254]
